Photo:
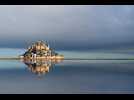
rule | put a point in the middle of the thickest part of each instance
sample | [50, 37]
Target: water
[69, 76]
[9, 52]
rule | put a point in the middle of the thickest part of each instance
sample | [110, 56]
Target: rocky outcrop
[41, 50]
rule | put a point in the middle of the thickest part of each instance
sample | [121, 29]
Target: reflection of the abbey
[40, 66]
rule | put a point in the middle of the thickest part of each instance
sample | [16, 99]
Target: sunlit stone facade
[41, 50]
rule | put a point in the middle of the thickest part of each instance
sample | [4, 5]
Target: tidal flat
[69, 76]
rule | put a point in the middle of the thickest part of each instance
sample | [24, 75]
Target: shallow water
[10, 52]
[69, 76]
[79, 76]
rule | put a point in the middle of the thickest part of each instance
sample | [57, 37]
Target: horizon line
[17, 58]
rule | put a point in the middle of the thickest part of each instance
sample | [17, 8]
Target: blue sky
[67, 27]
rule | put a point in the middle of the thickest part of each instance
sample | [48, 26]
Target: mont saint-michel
[40, 50]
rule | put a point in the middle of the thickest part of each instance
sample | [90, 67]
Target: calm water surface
[79, 76]
[69, 76]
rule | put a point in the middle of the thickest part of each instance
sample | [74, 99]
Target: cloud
[67, 26]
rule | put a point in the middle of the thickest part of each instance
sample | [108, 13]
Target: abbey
[40, 50]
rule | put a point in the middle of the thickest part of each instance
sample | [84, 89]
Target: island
[40, 50]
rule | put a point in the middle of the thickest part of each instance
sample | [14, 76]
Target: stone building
[39, 49]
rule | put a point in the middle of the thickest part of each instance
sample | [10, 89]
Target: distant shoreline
[17, 58]
[98, 59]
[8, 58]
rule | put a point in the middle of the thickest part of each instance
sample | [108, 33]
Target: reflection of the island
[40, 66]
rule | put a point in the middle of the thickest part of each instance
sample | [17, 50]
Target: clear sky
[74, 27]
